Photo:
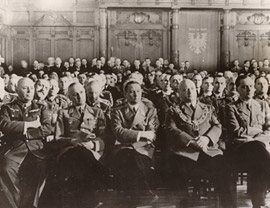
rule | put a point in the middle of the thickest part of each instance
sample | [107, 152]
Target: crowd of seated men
[67, 128]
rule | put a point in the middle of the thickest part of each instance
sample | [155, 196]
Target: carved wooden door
[138, 34]
[200, 39]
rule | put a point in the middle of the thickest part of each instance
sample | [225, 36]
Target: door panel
[199, 39]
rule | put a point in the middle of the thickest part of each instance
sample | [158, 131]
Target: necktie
[81, 111]
[192, 107]
[134, 110]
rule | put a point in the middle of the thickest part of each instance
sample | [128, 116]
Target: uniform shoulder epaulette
[148, 102]
[119, 102]
[63, 97]
[41, 103]
[120, 105]
[104, 101]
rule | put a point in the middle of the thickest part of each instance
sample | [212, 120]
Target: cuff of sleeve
[188, 143]
[210, 141]
[25, 127]
[138, 136]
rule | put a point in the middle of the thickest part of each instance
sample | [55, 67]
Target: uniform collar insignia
[34, 110]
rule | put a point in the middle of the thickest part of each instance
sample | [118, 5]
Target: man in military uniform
[56, 101]
[197, 79]
[5, 97]
[249, 124]
[162, 100]
[42, 87]
[193, 133]
[93, 92]
[261, 89]
[134, 124]
[24, 124]
[207, 90]
[81, 129]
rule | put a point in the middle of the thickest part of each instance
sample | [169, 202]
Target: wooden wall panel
[42, 49]
[243, 48]
[63, 48]
[137, 34]
[250, 35]
[85, 49]
[123, 50]
[264, 45]
[20, 51]
[199, 38]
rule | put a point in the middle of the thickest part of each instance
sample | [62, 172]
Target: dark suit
[118, 69]
[162, 102]
[250, 119]
[184, 124]
[148, 69]
[96, 69]
[133, 159]
[138, 69]
[23, 72]
[22, 155]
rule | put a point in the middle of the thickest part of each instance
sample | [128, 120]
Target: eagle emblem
[197, 39]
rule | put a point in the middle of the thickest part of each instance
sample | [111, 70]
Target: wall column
[175, 34]
[103, 33]
[225, 46]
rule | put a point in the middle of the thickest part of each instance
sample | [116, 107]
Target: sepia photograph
[134, 103]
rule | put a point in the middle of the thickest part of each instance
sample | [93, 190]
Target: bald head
[93, 91]
[25, 90]
[187, 91]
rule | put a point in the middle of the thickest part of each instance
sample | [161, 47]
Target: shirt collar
[136, 106]
[80, 107]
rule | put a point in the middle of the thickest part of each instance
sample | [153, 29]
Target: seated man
[42, 87]
[261, 89]
[93, 92]
[24, 124]
[207, 90]
[81, 131]
[56, 101]
[134, 124]
[5, 97]
[193, 133]
[249, 124]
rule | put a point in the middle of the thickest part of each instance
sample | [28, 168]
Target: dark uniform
[162, 102]
[133, 158]
[105, 106]
[250, 120]
[185, 124]
[8, 98]
[59, 102]
[22, 156]
[79, 168]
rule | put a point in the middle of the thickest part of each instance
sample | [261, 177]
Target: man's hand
[247, 138]
[149, 135]
[49, 138]
[88, 145]
[194, 144]
[33, 124]
[203, 142]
